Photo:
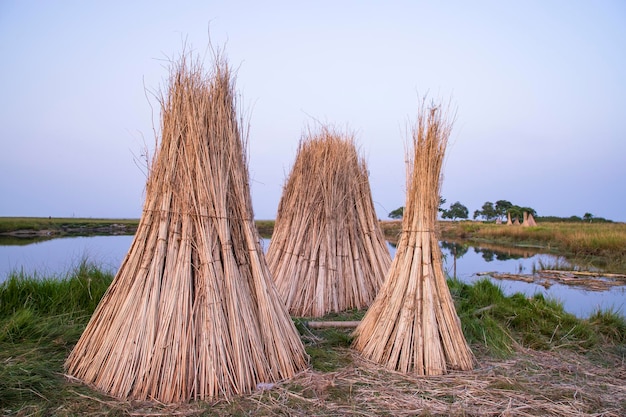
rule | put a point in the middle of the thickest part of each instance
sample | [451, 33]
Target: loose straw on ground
[192, 312]
[412, 326]
[327, 253]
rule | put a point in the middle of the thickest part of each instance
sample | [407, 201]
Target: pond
[57, 257]
[476, 263]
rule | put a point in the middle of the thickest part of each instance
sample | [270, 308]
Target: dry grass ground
[530, 383]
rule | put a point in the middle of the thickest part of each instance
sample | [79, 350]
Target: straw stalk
[327, 253]
[412, 326]
[192, 312]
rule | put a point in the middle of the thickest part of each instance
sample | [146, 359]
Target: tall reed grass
[40, 320]
[578, 238]
[78, 292]
[500, 324]
[327, 252]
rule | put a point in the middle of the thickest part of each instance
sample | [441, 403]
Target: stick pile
[412, 325]
[192, 312]
[327, 253]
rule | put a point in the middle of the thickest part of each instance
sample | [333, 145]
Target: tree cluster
[488, 212]
[399, 212]
[501, 209]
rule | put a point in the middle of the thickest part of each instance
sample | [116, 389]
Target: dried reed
[412, 325]
[327, 253]
[192, 312]
[531, 383]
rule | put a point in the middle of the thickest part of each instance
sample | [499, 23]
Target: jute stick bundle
[412, 326]
[192, 312]
[327, 253]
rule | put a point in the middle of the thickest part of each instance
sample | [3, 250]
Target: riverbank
[30, 227]
[532, 359]
[599, 245]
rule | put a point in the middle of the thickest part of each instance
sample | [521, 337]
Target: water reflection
[57, 257]
[471, 263]
[457, 250]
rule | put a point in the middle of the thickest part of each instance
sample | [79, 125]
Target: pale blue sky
[539, 85]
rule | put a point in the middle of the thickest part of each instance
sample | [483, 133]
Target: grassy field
[56, 225]
[599, 244]
[265, 227]
[532, 359]
[9, 224]
[577, 238]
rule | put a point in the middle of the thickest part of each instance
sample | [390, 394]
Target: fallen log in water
[583, 273]
[592, 281]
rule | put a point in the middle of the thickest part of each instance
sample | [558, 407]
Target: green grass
[497, 323]
[327, 348]
[40, 320]
[610, 325]
[265, 227]
[601, 239]
[13, 224]
[78, 293]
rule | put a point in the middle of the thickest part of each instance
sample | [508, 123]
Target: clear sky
[540, 88]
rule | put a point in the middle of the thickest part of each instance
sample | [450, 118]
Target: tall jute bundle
[192, 312]
[327, 252]
[412, 326]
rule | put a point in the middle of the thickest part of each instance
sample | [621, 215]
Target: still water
[57, 257]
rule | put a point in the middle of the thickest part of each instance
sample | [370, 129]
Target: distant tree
[502, 208]
[456, 249]
[397, 213]
[442, 201]
[488, 212]
[456, 211]
[518, 211]
[487, 254]
[588, 217]
[529, 211]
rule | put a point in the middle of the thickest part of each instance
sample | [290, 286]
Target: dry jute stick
[327, 252]
[412, 326]
[192, 312]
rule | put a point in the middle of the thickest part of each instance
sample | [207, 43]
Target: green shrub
[498, 323]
